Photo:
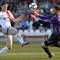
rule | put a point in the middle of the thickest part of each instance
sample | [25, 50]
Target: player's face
[59, 7]
[4, 7]
[58, 11]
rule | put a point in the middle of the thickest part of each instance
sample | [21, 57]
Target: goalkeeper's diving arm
[43, 17]
[41, 21]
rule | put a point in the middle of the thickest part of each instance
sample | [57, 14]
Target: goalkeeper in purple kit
[55, 37]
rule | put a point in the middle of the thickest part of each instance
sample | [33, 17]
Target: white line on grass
[28, 53]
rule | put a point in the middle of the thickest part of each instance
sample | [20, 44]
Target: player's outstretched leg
[3, 50]
[20, 40]
[46, 49]
[17, 35]
[9, 45]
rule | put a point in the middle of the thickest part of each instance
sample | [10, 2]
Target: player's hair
[57, 8]
[3, 3]
[57, 5]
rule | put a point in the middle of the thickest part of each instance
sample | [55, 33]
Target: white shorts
[9, 31]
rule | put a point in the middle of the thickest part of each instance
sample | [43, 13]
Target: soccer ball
[33, 6]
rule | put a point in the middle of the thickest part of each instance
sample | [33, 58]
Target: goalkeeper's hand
[34, 17]
[35, 13]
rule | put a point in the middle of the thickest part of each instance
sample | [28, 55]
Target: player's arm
[34, 17]
[11, 17]
[43, 17]
[41, 21]
[46, 17]
[17, 19]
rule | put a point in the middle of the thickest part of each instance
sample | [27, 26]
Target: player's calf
[46, 50]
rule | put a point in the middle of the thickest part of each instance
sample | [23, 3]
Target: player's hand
[32, 16]
[22, 16]
[35, 13]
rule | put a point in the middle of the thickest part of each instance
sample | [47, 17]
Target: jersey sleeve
[46, 17]
[46, 21]
[11, 15]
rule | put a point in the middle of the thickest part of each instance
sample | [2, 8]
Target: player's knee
[43, 45]
[13, 31]
[9, 47]
[16, 31]
[47, 42]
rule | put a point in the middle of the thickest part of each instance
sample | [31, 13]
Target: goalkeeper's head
[57, 6]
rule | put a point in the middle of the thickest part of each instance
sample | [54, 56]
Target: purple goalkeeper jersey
[55, 21]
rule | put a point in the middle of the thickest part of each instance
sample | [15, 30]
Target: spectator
[23, 25]
[20, 10]
[29, 23]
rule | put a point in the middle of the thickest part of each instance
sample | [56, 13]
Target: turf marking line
[27, 53]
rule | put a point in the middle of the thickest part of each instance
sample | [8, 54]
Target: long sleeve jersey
[46, 17]
[54, 21]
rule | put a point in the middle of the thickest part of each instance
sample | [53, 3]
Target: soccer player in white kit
[5, 17]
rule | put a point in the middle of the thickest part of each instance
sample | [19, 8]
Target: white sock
[19, 38]
[5, 49]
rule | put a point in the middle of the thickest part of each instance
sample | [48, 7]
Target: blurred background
[29, 29]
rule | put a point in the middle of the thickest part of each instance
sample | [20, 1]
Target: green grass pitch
[31, 52]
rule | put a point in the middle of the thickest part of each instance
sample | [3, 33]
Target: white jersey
[4, 19]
